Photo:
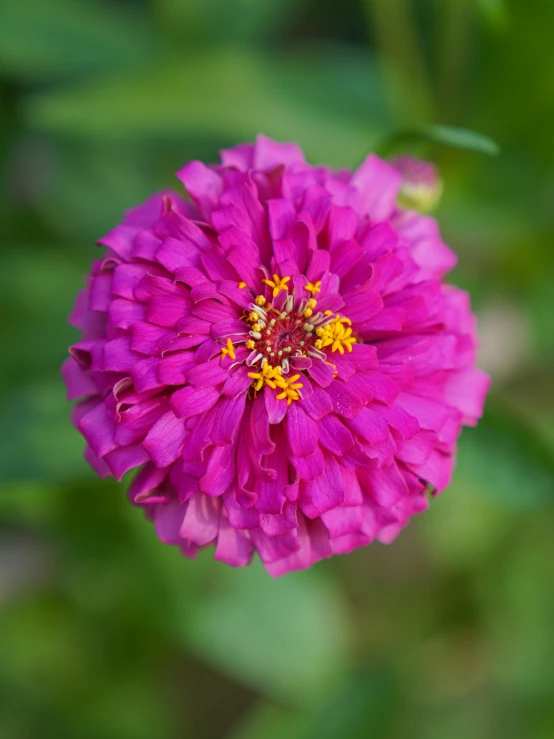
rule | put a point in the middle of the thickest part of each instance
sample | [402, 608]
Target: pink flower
[280, 358]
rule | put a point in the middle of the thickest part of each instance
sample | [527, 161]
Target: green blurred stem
[397, 40]
[456, 35]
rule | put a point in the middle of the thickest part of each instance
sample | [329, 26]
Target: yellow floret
[229, 350]
[278, 284]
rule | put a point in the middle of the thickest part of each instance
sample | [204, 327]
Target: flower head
[279, 358]
[422, 185]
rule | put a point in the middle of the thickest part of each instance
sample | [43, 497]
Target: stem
[397, 39]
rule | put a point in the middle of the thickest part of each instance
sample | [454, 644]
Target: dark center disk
[286, 333]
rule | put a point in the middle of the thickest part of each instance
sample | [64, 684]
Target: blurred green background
[104, 632]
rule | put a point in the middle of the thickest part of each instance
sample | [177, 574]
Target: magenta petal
[166, 310]
[268, 153]
[240, 156]
[207, 374]
[239, 516]
[228, 418]
[313, 545]
[190, 401]
[97, 463]
[145, 374]
[275, 525]
[237, 383]
[125, 458]
[220, 472]
[437, 470]
[467, 391]
[167, 522]
[202, 184]
[145, 338]
[378, 184]
[259, 429]
[301, 432]
[165, 439]
[173, 369]
[274, 548]
[98, 429]
[233, 547]
[182, 483]
[281, 216]
[334, 436]
[174, 254]
[321, 373]
[276, 409]
[147, 480]
[77, 380]
[348, 398]
[308, 468]
[118, 356]
[323, 493]
[318, 404]
[201, 520]
[385, 486]
[369, 424]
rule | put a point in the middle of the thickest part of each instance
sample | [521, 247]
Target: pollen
[337, 334]
[266, 376]
[290, 388]
[241, 285]
[229, 350]
[278, 284]
[313, 287]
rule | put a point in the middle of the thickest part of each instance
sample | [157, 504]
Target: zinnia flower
[279, 357]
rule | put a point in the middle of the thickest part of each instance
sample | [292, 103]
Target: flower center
[295, 330]
[278, 335]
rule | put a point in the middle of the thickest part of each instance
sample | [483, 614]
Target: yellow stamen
[250, 344]
[260, 300]
[253, 316]
[241, 285]
[308, 312]
[277, 284]
[266, 376]
[337, 334]
[312, 303]
[313, 288]
[289, 388]
[229, 349]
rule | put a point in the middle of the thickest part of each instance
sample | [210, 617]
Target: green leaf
[362, 707]
[327, 99]
[40, 443]
[283, 637]
[273, 722]
[225, 21]
[458, 138]
[38, 285]
[68, 38]
[358, 708]
[91, 186]
[507, 457]
[495, 12]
